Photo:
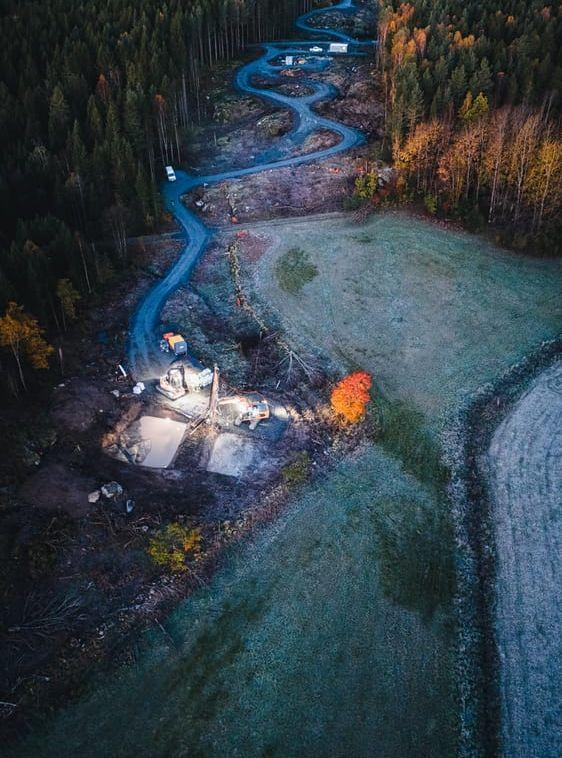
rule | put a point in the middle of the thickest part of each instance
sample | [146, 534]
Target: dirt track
[525, 474]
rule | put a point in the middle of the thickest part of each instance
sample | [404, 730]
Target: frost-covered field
[432, 313]
[293, 650]
[334, 633]
[525, 472]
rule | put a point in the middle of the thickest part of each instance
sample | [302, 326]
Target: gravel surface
[525, 474]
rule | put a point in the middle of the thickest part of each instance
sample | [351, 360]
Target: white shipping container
[338, 47]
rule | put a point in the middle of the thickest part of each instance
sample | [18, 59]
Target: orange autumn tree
[350, 396]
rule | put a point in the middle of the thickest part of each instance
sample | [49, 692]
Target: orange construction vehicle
[173, 342]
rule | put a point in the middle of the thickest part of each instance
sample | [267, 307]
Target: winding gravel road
[525, 476]
[145, 358]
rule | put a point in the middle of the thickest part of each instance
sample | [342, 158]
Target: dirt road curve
[525, 470]
[144, 356]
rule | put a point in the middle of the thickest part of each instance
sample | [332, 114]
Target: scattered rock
[94, 496]
[112, 490]
[139, 388]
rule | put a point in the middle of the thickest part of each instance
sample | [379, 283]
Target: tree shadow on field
[415, 537]
[402, 432]
[414, 554]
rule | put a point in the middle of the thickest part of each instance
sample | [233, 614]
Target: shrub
[430, 202]
[366, 185]
[352, 203]
[351, 395]
[173, 544]
[294, 270]
[297, 471]
[473, 219]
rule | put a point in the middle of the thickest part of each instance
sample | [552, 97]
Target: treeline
[95, 98]
[508, 161]
[472, 96]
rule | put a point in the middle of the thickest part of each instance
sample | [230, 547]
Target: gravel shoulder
[525, 478]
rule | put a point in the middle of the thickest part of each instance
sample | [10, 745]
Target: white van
[171, 174]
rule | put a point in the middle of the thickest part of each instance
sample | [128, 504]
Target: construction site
[238, 428]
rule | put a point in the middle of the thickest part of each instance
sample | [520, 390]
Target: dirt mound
[78, 403]
[55, 487]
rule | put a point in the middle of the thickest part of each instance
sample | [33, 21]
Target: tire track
[525, 477]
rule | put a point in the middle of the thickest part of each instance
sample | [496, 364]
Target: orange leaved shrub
[350, 396]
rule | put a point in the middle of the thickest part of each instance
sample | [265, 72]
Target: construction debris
[112, 490]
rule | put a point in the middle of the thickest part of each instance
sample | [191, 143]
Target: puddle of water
[164, 436]
[232, 455]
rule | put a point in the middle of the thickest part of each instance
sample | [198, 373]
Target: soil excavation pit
[232, 455]
[164, 437]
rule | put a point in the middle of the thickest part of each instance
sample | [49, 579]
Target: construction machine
[182, 378]
[173, 342]
[252, 411]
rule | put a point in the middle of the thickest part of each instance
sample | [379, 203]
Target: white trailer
[338, 47]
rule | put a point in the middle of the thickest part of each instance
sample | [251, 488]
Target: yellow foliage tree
[22, 334]
[173, 544]
[68, 297]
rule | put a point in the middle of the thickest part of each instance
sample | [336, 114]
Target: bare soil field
[525, 482]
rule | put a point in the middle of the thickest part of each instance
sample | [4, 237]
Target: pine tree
[58, 119]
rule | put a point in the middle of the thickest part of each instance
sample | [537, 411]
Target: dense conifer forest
[95, 98]
[472, 92]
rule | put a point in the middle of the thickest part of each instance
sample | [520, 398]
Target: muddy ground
[297, 191]
[76, 582]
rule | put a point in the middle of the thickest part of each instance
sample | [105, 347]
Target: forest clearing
[433, 313]
[281, 290]
[358, 576]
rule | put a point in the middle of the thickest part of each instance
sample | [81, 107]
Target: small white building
[289, 60]
[338, 47]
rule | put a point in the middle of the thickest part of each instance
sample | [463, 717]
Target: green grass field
[333, 634]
